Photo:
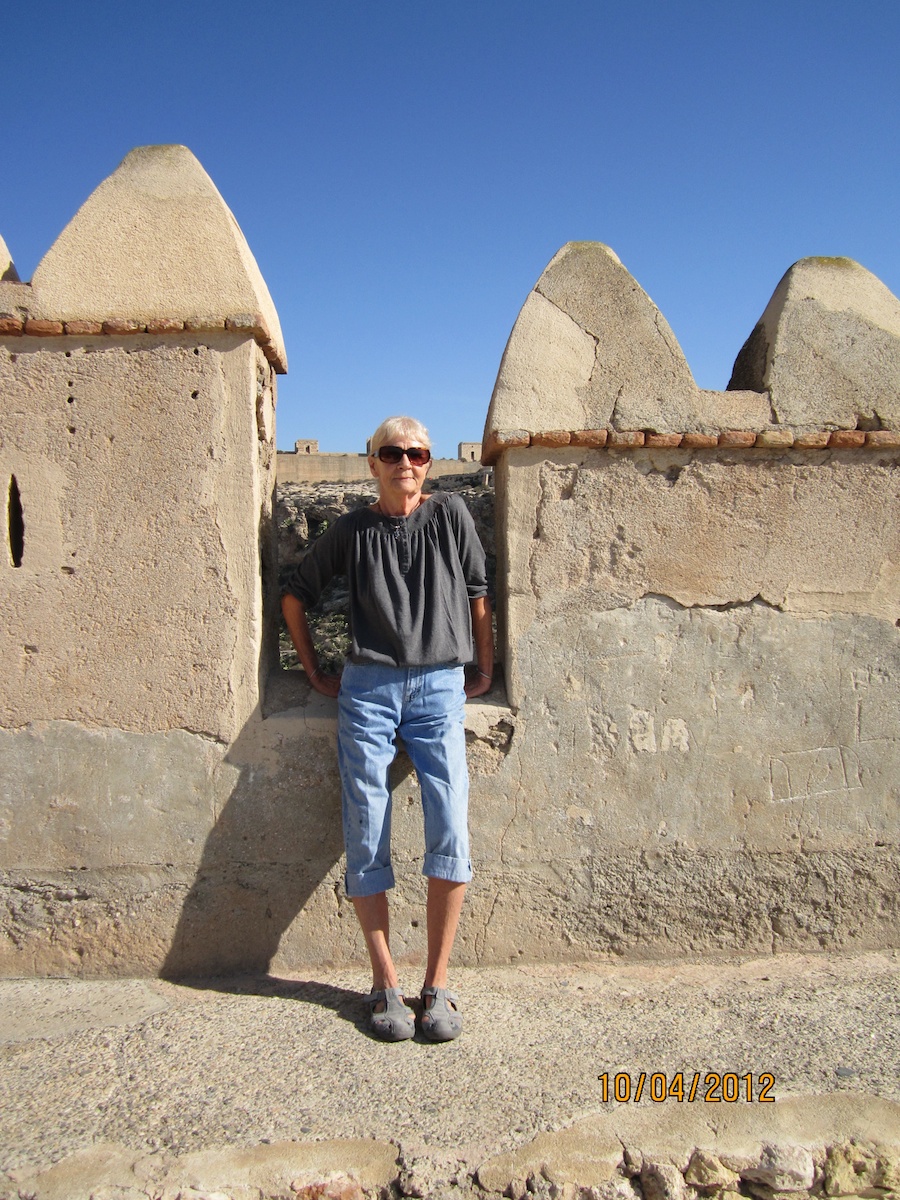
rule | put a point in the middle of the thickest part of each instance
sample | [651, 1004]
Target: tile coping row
[251, 324]
[498, 442]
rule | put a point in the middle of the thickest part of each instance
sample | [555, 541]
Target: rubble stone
[336, 1186]
[708, 1174]
[783, 1168]
[662, 1181]
[852, 1169]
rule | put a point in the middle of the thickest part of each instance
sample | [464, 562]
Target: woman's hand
[477, 684]
[327, 685]
[298, 627]
[481, 677]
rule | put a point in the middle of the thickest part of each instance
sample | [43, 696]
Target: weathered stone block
[827, 347]
[551, 437]
[847, 439]
[888, 438]
[595, 438]
[775, 439]
[38, 328]
[499, 440]
[700, 441]
[737, 437]
[84, 328]
[852, 1169]
[625, 440]
[122, 326]
[662, 1181]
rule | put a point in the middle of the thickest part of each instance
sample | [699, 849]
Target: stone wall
[698, 598]
[136, 633]
[702, 594]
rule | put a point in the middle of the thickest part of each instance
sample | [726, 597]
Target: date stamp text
[711, 1087]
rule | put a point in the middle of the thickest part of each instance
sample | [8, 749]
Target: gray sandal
[441, 1020]
[396, 1022]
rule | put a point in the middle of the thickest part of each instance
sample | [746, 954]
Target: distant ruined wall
[300, 467]
[698, 604]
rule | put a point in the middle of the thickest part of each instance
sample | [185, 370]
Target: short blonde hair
[395, 427]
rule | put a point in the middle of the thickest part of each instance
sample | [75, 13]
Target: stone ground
[156, 1088]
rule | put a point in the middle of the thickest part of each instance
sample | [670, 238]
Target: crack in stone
[757, 601]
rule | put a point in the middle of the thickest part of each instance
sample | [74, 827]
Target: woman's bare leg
[372, 913]
[445, 901]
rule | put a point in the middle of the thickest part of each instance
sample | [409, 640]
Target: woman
[418, 612]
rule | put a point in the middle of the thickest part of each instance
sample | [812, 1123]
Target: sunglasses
[417, 455]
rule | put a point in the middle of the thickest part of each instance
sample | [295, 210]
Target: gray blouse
[411, 580]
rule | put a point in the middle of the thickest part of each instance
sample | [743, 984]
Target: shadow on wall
[276, 841]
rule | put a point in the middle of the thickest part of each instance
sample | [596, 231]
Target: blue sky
[403, 171]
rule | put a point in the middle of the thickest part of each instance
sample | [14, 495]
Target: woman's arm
[483, 633]
[298, 628]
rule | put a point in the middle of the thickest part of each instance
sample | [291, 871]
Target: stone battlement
[698, 600]
[153, 250]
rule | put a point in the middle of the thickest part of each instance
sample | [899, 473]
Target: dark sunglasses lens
[415, 454]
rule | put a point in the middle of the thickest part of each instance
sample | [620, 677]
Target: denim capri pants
[425, 705]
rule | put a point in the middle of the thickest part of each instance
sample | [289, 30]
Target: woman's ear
[372, 465]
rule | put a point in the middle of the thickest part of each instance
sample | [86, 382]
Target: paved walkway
[158, 1070]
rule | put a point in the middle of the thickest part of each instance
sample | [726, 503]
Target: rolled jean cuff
[454, 870]
[369, 883]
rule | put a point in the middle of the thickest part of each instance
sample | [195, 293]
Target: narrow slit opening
[15, 522]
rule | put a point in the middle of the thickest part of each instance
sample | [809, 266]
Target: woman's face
[404, 478]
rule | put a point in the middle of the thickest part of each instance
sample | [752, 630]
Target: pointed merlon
[157, 242]
[591, 351]
[827, 348]
[15, 297]
[8, 272]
